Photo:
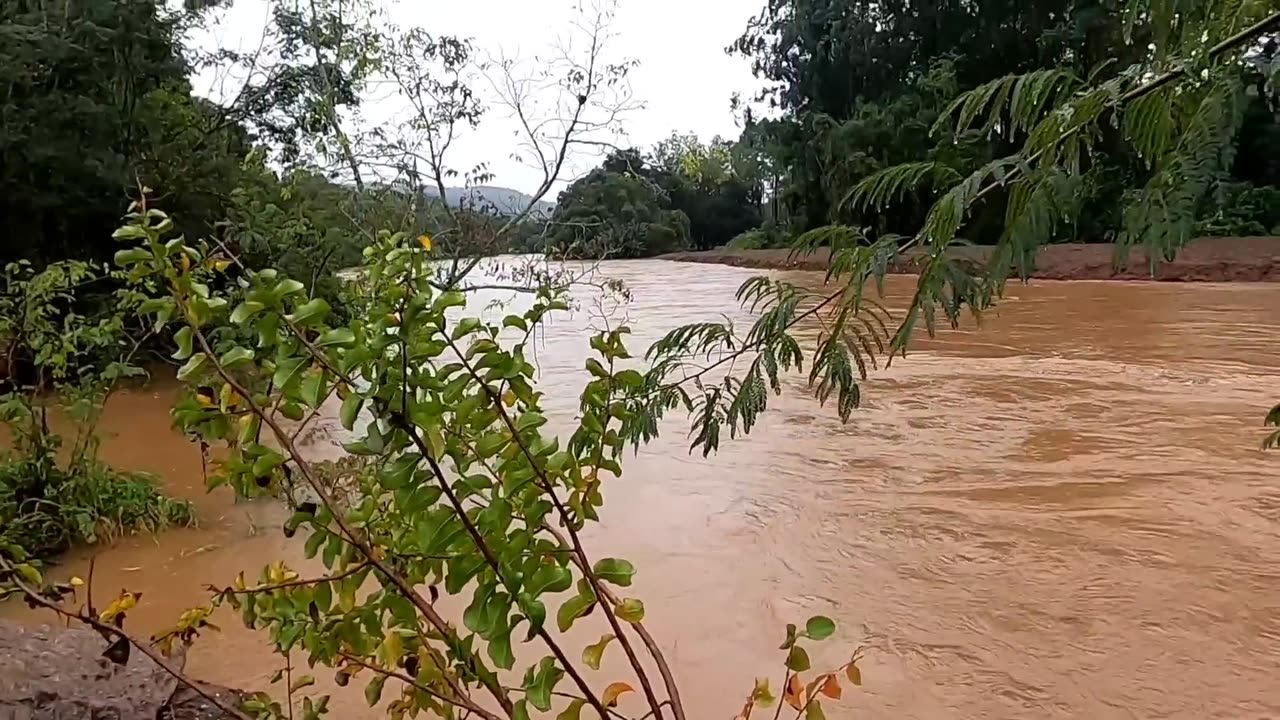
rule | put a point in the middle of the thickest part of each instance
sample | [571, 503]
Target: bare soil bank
[1218, 259]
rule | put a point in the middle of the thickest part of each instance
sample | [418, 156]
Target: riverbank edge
[1216, 259]
[56, 672]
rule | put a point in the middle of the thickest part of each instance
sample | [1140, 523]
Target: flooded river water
[1064, 513]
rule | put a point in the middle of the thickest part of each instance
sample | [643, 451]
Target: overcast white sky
[684, 77]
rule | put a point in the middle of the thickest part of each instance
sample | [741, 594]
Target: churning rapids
[1063, 513]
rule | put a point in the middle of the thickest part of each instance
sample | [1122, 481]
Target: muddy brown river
[1064, 513]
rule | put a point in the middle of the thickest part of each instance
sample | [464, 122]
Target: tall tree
[97, 101]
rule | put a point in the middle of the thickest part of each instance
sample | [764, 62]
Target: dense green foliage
[97, 101]
[683, 194]
[856, 87]
[61, 367]
[617, 214]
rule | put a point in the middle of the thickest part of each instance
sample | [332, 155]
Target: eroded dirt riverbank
[1244, 259]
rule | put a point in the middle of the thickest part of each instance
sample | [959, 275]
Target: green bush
[46, 509]
[1240, 209]
[761, 238]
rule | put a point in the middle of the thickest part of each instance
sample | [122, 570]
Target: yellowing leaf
[573, 712]
[630, 610]
[302, 682]
[30, 574]
[854, 674]
[119, 606]
[592, 654]
[794, 692]
[425, 241]
[830, 687]
[392, 648]
[76, 581]
[762, 694]
[346, 596]
[613, 691]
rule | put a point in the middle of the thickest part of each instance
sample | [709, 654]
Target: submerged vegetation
[61, 366]
[457, 486]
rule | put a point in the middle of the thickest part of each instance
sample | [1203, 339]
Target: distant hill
[504, 200]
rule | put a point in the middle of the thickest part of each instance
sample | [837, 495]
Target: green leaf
[286, 371]
[183, 339]
[574, 711]
[613, 570]
[435, 441]
[397, 473]
[246, 310]
[267, 462]
[288, 286]
[476, 617]
[596, 368]
[314, 541]
[534, 611]
[461, 571]
[465, 327]
[30, 574]
[373, 691]
[515, 321]
[350, 409]
[520, 710]
[337, 336]
[358, 447]
[797, 659]
[313, 310]
[192, 366]
[814, 711]
[530, 420]
[572, 609]
[500, 650]
[539, 685]
[312, 389]
[129, 232]
[490, 444]
[323, 596]
[592, 654]
[291, 410]
[630, 610]
[237, 354]
[125, 258]
[549, 579]
[452, 298]
[819, 627]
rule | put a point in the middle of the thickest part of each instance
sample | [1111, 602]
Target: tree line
[857, 86]
[99, 102]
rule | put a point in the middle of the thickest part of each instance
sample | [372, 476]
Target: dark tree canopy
[857, 86]
[94, 92]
